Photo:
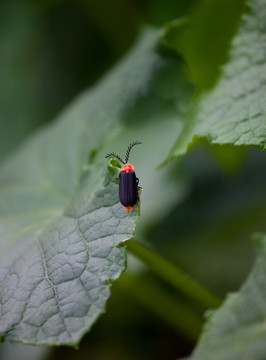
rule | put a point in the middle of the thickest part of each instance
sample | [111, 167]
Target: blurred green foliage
[199, 212]
[53, 50]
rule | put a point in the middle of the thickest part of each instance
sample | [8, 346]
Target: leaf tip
[113, 167]
[259, 240]
[114, 163]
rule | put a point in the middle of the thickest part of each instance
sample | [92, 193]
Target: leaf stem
[173, 275]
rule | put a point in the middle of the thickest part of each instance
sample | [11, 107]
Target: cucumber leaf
[61, 223]
[234, 110]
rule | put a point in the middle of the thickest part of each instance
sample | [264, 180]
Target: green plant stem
[174, 312]
[173, 275]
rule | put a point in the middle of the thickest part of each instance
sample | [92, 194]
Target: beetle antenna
[116, 156]
[129, 149]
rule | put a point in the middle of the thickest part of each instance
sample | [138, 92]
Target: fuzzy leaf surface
[61, 223]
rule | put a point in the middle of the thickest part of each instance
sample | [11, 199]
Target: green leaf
[237, 330]
[204, 38]
[61, 223]
[56, 266]
[233, 112]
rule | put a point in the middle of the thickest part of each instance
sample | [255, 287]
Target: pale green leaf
[61, 223]
[56, 264]
[234, 111]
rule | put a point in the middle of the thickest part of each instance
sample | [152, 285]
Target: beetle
[128, 182]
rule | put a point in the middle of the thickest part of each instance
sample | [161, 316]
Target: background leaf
[237, 329]
[233, 112]
[202, 38]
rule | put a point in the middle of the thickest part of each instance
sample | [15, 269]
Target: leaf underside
[61, 223]
[55, 280]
